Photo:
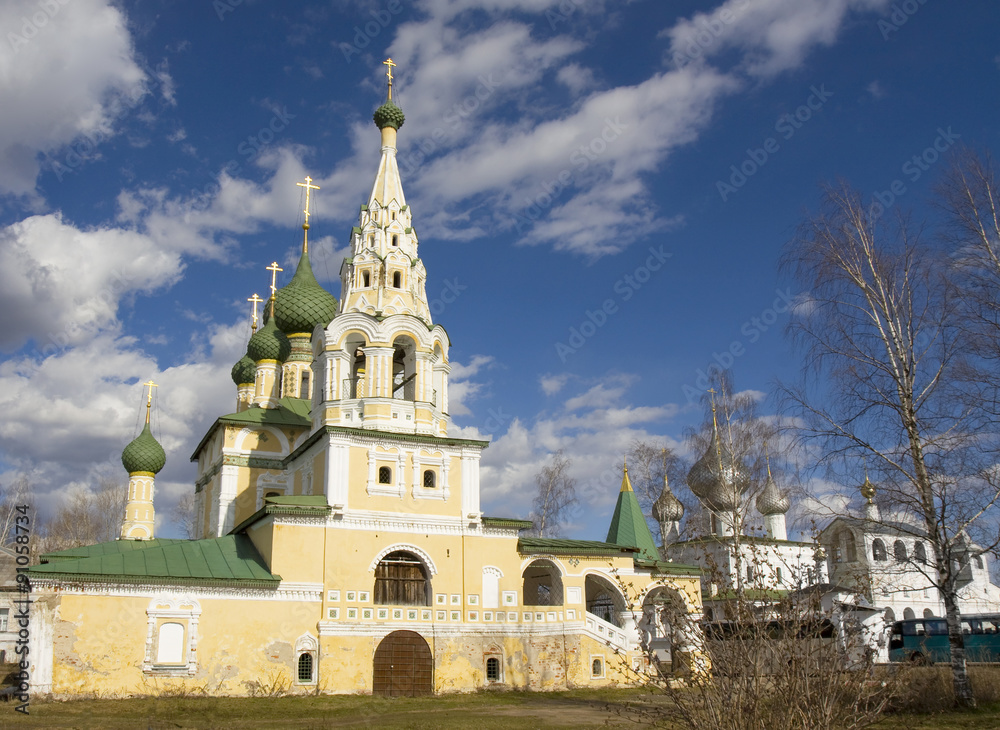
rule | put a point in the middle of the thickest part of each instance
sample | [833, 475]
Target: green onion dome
[269, 343]
[303, 303]
[244, 371]
[144, 454]
[388, 115]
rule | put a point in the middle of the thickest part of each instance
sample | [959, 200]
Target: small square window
[539, 616]
[411, 615]
[442, 615]
[527, 616]
[492, 669]
[364, 596]
[383, 614]
[352, 613]
[441, 599]
[473, 615]
[305, 673]
[510, 598]
[351, 596]
[473, 599]
[430, 479]
[456, 615]
[334, 613]
[397, 613]
[456, 599]
[487, 615]
[334, 595]
[597, 667]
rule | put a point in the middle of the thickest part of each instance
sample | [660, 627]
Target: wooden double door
[404, 666]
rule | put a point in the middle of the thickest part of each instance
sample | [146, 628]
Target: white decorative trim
[377, 521]
[93, 588]
[424, 557]
[186, 610]
[237, 447]
[280, 481]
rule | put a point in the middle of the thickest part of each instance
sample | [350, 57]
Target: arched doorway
[404, 666]
[663, 623]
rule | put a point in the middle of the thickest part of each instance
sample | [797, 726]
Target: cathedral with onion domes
[340, 543]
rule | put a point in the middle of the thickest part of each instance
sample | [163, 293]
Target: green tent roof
[628, 524]
[227, 560]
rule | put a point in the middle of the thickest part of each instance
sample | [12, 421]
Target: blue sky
[602, 191]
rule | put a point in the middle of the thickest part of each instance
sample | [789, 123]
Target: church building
[342, 547]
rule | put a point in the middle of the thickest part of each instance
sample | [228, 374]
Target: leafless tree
[14, 495]
[882, 343]
[184, 515]
[556, 496]
[88, 517]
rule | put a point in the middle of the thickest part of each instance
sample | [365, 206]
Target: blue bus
[925, 640]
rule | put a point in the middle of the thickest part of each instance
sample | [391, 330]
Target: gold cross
[389, 63]
[149, 398]
[308, 186]
[274, 269]
[255, 300]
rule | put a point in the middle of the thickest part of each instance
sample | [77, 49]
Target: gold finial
[767, 459]
[389, 63]
[149, 397]
[274, 269]
[305, 224]
[255, 300]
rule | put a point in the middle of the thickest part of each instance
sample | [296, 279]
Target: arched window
[978, 561]
[878, 550]
[401, 579]
[492, 669]
[542, 585]
[928, 613]
[305, 668]
[430, 479]
[850, 547]
[397, 280]
[304, 385]
[899, 551]
[170, 647]
[920, 552]
[366, 279]
[597, 668]
[395, 238]
[384, 475]
[272, 493]
[890, 615]
[908, 613]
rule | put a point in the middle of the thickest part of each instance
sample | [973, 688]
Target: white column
[227, 499]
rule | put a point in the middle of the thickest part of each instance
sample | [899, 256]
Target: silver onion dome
[667, 508]
[771, 501]
[718, 479]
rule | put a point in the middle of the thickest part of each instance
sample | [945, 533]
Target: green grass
[479, 711]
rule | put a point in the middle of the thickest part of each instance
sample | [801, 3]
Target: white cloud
[876, 89]
[59, 285]
[68, 416]
[552, 384]
[774, 35]
[461, 389]
[60, 79]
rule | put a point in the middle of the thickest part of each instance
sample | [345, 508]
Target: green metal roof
[290, 412]
[309, 505]
[507, 522]
[628, 524]
[114, 547]
[667, 567]
[227, 560]
[558, 546]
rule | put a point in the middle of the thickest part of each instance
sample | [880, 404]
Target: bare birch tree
[88, 517]
[882, 346]
[556, 496]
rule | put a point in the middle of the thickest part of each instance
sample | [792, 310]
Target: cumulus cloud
[65, 72]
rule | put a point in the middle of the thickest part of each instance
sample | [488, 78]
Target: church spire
[628, 525]
[384, 275]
